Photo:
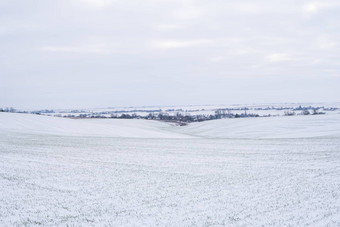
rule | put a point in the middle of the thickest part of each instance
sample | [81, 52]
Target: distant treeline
[188, 118]
[178, 115]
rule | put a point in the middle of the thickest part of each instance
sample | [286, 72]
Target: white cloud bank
[110, 52]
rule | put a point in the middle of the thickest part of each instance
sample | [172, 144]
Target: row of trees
[178, 117]
[8, 109]
[12, 110]
[304, 112]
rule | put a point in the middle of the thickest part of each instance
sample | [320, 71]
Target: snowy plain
[280, 171]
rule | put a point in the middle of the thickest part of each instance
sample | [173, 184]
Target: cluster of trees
[226, 113]
[299, 108]
[8, 109]
[130, 111]
[272, 108]
[181, 117]
[42, 111]
[313, 111]
[167, 117]
[178, 117]
[12, 110]
[304, 108]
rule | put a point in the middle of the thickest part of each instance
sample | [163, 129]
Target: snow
[262, 127]
[59, 172]
[196, 109]
[268, 127]
[30, 123]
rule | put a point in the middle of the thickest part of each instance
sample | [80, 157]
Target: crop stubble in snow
[60, 180]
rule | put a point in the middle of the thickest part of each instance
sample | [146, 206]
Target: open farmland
[60, 172]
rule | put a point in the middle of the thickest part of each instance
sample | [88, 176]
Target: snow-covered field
[39, 124]
[275, 109]
[268, 127]
[233, 172]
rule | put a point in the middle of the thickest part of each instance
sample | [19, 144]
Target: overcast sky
[100, 53]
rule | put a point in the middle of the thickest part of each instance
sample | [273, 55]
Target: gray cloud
[91, 53]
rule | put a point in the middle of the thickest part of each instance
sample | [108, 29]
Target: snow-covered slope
[29, 123]
[270, 127]
[49, 177]
[50, 180]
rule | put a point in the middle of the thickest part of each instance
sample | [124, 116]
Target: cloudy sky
[99, 53]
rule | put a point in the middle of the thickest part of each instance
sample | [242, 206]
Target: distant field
[233, 172]
[272, 109]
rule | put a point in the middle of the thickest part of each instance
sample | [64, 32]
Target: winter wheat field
[282, 171]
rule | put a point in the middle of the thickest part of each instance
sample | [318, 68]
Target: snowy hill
[30, 123]
[268, 127]
[263, 127]
[87, 172]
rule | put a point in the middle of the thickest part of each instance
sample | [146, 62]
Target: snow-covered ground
[39, 124]
[235, 172]
[268, 127]
[276, 109]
